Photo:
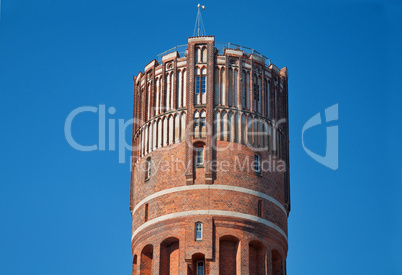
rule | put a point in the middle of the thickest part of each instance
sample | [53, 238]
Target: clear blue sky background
[66, 212]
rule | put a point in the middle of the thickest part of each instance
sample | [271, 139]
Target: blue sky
[66, 212]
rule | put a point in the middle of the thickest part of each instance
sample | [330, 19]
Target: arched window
[203, 131]
[255, 94]
[176, 128]
[171, 130]
[146, 139]
[165, 131]
[198, 232]
[196, 124]
[259, 95]
[171, 104]
[243, 94]
[230, 128]
[182, 126]
[216, 92]
[149, 102]
[179, 89]
[230, 95]
[184, 88]
[224, 124]
[267, 98]
[148, 169]
[200, 268]
[204, 86]
[157, 97]
[275, 102]
[197, 87]
[247, 91]
[204, 55]
[223, 88]
[198, 55]
[167, 98]
[199, 156]
[243, 129]
[150, 137]
[235, 87]
[159, 141]
[154, 132]
[236, 128]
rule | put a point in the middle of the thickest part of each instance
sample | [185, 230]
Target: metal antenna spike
[199, 28]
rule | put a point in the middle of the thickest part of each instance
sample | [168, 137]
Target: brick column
[190, 113]
[244, 256]
[182, 257]
[210, 111]
[269, 261]
[174, 103]
[156, 259]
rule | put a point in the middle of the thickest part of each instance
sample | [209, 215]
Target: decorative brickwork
[210, 163]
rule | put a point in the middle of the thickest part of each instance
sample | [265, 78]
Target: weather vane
[199, 28]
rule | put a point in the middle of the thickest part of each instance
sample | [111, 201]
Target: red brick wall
[229, 245]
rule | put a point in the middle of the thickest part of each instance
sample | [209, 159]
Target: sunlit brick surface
[231, 106]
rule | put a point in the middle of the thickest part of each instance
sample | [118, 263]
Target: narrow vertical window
[167, 98]
[276, 102]
[172, 92]
[196, 125]
[223, 89]
[259, 95]
[200, 268]
[179, 89]
[202, 125]
[157, 97]
[198, 55]
[198, 232]
[199, 156]
[243, 103]
[148, 172]
[146, 212]
[248, 91]
[197, 90]
[235, 92]
[216, 92]
[259, 208]
[184, 88]
[255, 94]
[204, 55]
[257, 164]
[203, 86]
[230, 96]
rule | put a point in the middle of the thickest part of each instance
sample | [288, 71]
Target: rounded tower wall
[210, 155]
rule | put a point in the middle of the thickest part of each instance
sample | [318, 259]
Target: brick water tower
[210, 162]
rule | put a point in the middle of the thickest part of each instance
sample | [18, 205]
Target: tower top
[199, 29]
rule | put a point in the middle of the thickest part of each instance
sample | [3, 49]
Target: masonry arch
[257, 258]
[169, 256]
[276, 263]
[229, 255]
[146, 260]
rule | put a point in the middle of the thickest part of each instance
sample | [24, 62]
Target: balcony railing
[220, 46]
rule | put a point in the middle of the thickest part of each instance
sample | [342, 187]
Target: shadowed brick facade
[210, 163]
